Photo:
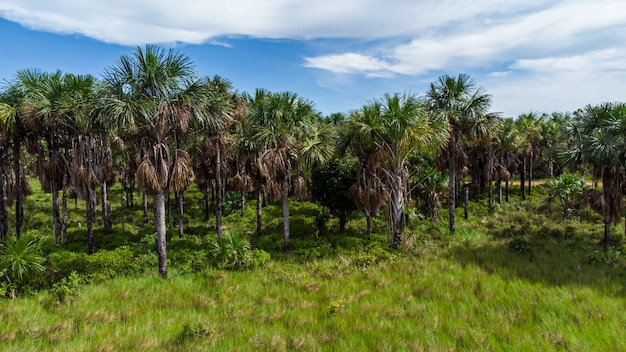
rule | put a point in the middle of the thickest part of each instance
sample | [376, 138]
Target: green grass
[511, 278]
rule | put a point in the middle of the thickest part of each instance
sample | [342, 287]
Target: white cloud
[190, 21]
[530, 54]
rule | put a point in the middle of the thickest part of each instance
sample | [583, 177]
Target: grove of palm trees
[157, 209]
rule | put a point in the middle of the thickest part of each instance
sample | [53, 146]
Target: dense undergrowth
[516, 277]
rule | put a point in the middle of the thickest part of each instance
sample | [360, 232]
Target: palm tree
[220, 106]
[358, 136]
[464, 106]
[596, 137]
[279, 139]
[153, 93]
[12, 124]
[249, 150]
[400, 127]
[43, 114]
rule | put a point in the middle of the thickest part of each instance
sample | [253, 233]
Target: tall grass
[509, 279]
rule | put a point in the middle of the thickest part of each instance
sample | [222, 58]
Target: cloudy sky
[531, 55]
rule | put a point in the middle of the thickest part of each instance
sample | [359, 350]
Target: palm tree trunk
[451, 182]
[145, 208]
[218, 194]
[106, 209]
[55, 212]
[259, 207]
[285, 189]
[17, 170]
[181, 209]
[64, 211]
[396, 200]
[90, 203]
[522, 181]
[159, 227]
[4, 214]
[206, 204]
[490, 201]
[499, 190]
[530, 172]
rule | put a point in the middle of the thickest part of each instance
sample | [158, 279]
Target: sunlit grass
[469, 291]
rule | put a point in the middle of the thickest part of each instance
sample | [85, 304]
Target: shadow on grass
[554, 264]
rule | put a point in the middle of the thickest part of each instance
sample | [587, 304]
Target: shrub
[231, 252]
[258, 259]
[520, 245]
[22, 259]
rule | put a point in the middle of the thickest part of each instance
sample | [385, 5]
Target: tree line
[153, 124]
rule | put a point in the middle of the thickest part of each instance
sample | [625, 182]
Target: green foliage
[231, 252]
[65, 289]
[330, 184]
[258, 259]
[567, 189]
[520, 245]
[102, 265]
[23, 258]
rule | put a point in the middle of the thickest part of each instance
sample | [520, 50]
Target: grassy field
[509, 279]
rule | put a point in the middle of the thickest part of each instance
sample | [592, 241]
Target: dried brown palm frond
[274, 163]
[502, 174]
[182, 173]
[209, 148]
[147, 178]
[117, 143]
[357, 193]
[55, 168]
[274, 190]
[298, 188]
[182, 114]
[239, 183]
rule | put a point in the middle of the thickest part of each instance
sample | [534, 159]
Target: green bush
[258, 259]
[102, 265]
[520, 245]
[231, 252]
[22, 260]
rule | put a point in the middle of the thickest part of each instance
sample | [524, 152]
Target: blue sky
[531, 55]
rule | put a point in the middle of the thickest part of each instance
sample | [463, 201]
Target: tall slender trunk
[55, 212]
[452, 182]
[145, 208]
[206, 204]
[396, 202]
[259, 207]
[17, 170]
[90, 203]
[106, 209]
[64, 210]
[124, 204]
[522, 181]
[285, 189]
[499, 190]
[159, 227]
[218, 193]
[181, 210]
[4, 214]
[530, 172]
